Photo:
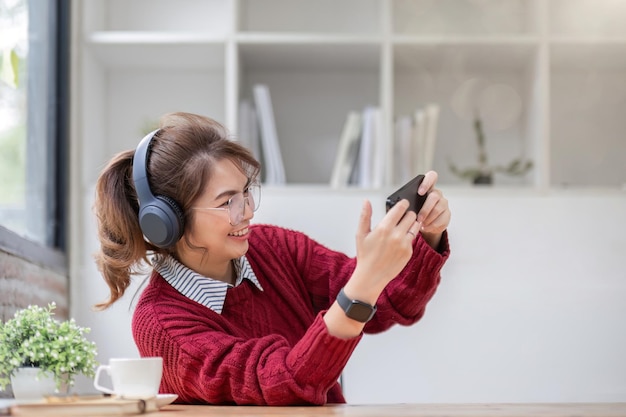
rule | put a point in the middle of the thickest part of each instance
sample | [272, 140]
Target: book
[347, 150]
[424, 138]
[248, 131]
[430, 136]
[403, 152]
[272, 158]
[368, 164]
[380, 162]
[417, 145]
[85, 406]
[353, 180]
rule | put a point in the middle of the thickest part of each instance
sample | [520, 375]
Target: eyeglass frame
[247, 199]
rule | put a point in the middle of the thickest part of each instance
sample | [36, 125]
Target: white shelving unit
[587, 90]
[547, 77]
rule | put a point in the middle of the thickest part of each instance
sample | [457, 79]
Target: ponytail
[122, 245]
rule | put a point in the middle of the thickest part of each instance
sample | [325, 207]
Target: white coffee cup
[132, 377]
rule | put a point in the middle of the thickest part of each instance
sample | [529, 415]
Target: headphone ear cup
[162, 221]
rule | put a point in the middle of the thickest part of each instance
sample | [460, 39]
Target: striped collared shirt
[207, 291]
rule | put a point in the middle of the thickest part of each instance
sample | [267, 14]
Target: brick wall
[23, 283]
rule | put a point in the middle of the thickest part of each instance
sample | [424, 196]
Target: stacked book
[415, 137]
[257, 131]
[364, 155]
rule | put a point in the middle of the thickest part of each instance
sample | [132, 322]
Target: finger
[365, 220]
[439, 216]
[430, 179]
[439, 224]
[407, 221]
[413, 230]
[394, 215]
[434, 196]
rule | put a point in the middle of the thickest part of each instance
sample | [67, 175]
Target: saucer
[164, 399]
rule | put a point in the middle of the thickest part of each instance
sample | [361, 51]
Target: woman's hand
[382, 252]
[434, 217]
[381, 255]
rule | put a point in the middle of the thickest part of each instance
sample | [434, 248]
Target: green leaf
[468, 173]
[34, 337]
[9, 69]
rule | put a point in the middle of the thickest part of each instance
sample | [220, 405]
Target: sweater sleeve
[403, 301]
[205, 361]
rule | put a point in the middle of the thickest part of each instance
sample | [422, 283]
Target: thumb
[365, 221]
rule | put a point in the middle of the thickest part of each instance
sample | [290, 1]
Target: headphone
[160, 217]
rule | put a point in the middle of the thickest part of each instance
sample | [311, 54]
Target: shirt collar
[207, 291]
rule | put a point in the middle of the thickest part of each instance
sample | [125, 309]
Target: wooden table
[407, 410]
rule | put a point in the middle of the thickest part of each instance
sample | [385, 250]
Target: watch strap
[355, 309]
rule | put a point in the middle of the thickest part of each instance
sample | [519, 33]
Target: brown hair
[182, 155]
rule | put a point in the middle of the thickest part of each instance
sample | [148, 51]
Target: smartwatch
[355, 309]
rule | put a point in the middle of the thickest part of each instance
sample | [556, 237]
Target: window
[34, 60]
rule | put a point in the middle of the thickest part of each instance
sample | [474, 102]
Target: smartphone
[409, 192]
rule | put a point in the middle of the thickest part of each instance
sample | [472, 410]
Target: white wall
[531, 306]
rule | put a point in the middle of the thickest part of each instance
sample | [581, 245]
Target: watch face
[360, 311]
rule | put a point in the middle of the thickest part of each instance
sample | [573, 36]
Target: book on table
[85, 406]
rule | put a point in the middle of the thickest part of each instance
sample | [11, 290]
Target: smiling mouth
[239, 233]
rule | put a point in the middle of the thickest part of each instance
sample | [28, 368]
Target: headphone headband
[140, 169]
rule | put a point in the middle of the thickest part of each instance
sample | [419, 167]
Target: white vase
[28, 384]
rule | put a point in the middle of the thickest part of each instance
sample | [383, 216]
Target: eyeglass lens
[237, 204]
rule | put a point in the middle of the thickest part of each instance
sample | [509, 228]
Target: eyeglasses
[236, 205]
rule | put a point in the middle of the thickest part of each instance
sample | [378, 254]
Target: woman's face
[212, 229]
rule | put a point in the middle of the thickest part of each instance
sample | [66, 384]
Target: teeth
[239, 232]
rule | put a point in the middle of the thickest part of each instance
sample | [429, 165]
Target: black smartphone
[409, 192]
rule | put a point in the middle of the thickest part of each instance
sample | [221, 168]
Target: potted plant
[33, 340]
[483, 172]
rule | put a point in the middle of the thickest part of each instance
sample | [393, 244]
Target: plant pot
[483, 179]
[28, 384]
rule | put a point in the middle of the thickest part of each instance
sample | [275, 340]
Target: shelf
[587, 18]
[547, 76]
[136, 99]
[205, 16]
[156, 38]
[485, 40]
[189, 51]
[588, 104]
[310, 56]
[298, 190]
[458, 56]
[310, 105]
[490, 79]
[464, 17]
[588, 55]
[301, 38]
[360, 17]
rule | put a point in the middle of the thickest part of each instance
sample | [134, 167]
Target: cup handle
[96, 380]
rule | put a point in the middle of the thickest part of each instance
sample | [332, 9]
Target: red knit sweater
[272, 347]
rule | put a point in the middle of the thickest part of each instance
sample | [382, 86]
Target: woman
[245, 314]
